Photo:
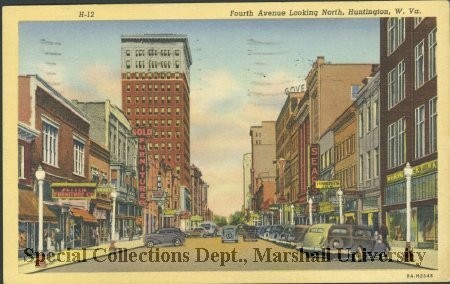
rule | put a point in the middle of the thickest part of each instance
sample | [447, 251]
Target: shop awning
[29, 206]
[84, 214]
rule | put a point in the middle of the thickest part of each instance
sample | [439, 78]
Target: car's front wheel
[150, 244]
[205, 235]
[177, 242]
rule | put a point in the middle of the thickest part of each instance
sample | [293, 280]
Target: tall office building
[155, 94]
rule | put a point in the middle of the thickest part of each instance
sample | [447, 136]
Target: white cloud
[221, 116]
[96, 82]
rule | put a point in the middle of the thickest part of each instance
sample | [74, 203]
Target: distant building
[263, 172]
[247, 176]
[332, 87]
[287, 154]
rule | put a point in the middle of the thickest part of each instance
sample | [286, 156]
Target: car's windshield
[206, 226]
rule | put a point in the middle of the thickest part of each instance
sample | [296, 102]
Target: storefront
[28, 221]
[370, 214]
[424, 209]
[83, 230]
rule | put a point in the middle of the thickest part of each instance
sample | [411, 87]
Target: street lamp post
[310, 202]
[113, 221]
[40, 176]
[408, 173]
[271, 213]
[280, 210]
[292, 214]
[341, 217]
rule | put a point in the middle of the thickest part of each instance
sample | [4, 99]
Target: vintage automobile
[198, 232]
[230, 234]
[175, 231]
[282, 237]
[164, 236]
[338, 236]
[210, 227]
[296, 236]
[249, 234]
[275, 232]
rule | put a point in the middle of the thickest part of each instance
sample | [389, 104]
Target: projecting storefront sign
[157, 195]
[328, 184]
[314, 165]
[142, 133]
[74, 190]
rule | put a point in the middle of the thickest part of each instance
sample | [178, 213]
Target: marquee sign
[74, 190]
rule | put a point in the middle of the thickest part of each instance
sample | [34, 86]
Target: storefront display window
[397, 224]
[427, 224]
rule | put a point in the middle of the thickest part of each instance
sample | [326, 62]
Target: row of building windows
[419, 137]
[397, 143]
[345, 148]
[143, 87]
[369, 165]
[347, 177]
[157, 122]
[326, 159]
[153, 75]
[153, 52]
[162, 146]
[395, 33]
[152, 99]
[368, 118]
[419, 55]
[50, 133]
[167, 158]
[397, 137]
[142, 64]
[162, 110]
[396, 77]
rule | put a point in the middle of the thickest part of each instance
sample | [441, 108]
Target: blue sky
[239, 72]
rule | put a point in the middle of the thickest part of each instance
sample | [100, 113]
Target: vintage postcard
[226, 142]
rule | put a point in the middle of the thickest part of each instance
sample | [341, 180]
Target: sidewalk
[70, 256]
[430, 257]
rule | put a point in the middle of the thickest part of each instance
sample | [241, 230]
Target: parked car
[249, 233]
[210, 227]
[260, 231]
[275, 232]
[266, 232]
[175, 231]
[283, 236]
[296, 236]
[338, 236]
[230, 234]
[198, 232]
[164, 237]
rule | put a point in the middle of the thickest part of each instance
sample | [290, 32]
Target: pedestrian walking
[384, 232]
[379, 246]
[58, 239]
[130, 234]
